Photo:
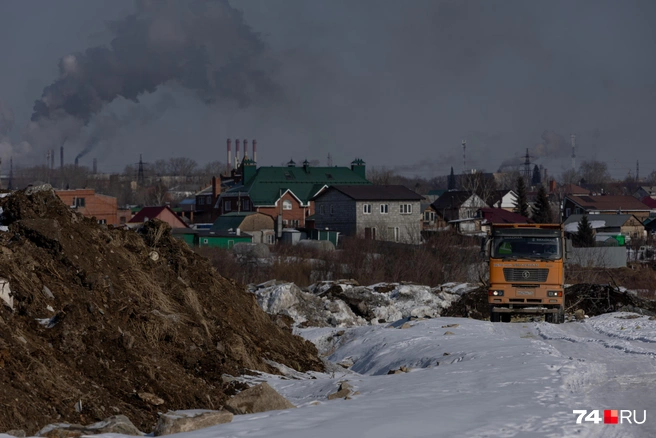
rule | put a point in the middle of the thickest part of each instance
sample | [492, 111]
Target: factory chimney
[255, 150]
[236, 153]
[61, 157]
[245, 148]
[229, 142]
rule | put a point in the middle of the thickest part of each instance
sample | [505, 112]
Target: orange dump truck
[526, 271]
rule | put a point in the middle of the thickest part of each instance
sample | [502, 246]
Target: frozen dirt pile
[97, 322]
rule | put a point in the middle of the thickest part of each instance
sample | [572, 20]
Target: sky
[398, 84]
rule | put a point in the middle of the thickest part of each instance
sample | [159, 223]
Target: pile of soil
[593, 299]
[108, 321]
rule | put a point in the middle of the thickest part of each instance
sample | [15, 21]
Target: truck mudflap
[536, 310]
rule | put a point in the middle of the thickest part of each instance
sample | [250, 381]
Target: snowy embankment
[345, 304]
[447, 377]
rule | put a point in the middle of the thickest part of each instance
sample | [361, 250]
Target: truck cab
[526, 271]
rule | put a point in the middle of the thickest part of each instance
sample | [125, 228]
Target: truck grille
[520, 274]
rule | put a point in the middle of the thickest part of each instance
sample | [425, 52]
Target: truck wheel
[505, 317]
[495, 316]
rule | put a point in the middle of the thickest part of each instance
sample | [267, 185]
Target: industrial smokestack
[245, 148]
[229, 155]
[254, 150]
[95, 166]
[236, 153]
[61, 157]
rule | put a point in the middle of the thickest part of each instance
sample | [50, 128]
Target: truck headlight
[496, 293]
[555, 293]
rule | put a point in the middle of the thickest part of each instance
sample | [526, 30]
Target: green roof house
[285, 192]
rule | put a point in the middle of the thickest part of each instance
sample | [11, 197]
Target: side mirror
[568, 248]
[484, 251]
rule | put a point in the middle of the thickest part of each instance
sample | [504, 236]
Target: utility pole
[329, 160]
[637, 170]
[464, 157]
[573, 139]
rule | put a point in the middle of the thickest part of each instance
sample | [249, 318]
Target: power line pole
[140, 174]
[573, 139]
[464, 157]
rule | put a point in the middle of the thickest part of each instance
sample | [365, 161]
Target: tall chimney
[61, 157]
[236, 153]
[255, 150]
[95, 166]
[245, 148]
[229, 155]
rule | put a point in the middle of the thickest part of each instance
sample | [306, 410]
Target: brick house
[604, 204]
[285, 193]
[381, 212]
[164, 214]
[92, 205]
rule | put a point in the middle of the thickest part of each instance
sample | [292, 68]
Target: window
[405, 209]
[102, 221]
[321, 210]
[393, 234]
[370, 233]
[208, 200]
[384, 208]
[568, 212]
[79, 202]
[429, 216]
[271, 239]
[366, 208]
[245, 205]
[227, 206]
[123, 219]
[201, 200]
[295, 222]
[286, 205]
[332, 210]
[205, 241]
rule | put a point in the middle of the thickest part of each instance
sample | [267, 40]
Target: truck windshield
[521, 247]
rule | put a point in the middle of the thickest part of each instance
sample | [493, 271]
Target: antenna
[329, 160]
[464, 156]
[637, 170]
[573, 138]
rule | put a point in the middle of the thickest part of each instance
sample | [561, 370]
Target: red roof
[501, 216]
[649, 202]
[147, 213]
[609, 203]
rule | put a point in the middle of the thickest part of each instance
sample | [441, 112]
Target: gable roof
[229, 221]
[497, 196]
[601, 220]
[573, 189]
[266, 186]
[375, 193]
[649, 201]
[501, 216]
[452, 199]
[608, 203]
[147, 213]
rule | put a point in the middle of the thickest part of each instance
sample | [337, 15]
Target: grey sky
[399, 84]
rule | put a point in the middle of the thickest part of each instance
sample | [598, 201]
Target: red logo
[610, 416]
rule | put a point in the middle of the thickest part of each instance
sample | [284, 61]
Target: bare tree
[570, 176]
[484, 185]
[507, 180]
[380, 175]
[161, 168]
[182, 166]
[594, 172]
[213, 168]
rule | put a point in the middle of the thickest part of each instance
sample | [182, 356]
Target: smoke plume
[203, 45]
[553, 145]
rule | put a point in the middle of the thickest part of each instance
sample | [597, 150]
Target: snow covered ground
[466, 378]
[482, 380]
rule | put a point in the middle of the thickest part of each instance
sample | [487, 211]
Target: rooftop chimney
[229, 155]
[255, 150]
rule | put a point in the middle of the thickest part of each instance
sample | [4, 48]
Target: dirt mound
[595, 299]
[104, 318]
[472, 304]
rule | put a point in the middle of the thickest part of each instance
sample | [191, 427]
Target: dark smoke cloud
[553, 145]
[203, 45]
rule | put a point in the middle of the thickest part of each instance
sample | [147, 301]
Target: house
[645, 191]
[93, 205]
[505, 199]
[164, 214]
[382, 212]
[649, 202]
[489, 216]
[608, 225]
[457, 205]
[259, 225]
[219, 239]
[573, 189]
[286, 193]
[604, 204]
[430, 221]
